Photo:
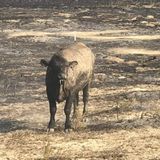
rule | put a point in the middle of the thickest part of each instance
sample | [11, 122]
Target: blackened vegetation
[67, 74]
[69, 3]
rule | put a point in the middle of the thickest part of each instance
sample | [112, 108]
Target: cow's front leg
[53, 109]
[67, 111]
[75, 104]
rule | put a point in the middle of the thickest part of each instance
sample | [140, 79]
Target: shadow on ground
[9, 125]
[110, 126]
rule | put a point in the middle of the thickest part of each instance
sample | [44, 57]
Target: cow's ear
[44, 63]
[73, 64]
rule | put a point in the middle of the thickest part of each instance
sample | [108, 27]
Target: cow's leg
[75, 103]
[77, 99]
[67, 111]
[53, 108]
[85, 98]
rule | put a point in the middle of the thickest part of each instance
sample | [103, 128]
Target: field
[123, 122]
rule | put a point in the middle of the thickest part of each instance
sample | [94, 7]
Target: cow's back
[83, 55]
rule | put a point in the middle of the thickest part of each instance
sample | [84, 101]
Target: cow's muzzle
[62, 92]
[62, 77]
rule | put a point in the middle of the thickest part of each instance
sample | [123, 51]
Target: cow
[68, 72]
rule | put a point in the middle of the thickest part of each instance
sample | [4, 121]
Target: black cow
[68, 72]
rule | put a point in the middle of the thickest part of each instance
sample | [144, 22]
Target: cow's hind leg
[77, 116]
[53, 108]
[85, 98]
[67, 111]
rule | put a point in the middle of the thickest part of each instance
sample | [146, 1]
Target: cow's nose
[62, 76]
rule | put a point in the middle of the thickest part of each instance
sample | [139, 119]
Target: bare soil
[123, 122]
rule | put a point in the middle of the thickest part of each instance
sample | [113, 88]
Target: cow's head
[62, 72]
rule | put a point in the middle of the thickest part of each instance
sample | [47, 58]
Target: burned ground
[124, 116]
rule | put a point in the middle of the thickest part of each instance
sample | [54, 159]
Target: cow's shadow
[9, 125]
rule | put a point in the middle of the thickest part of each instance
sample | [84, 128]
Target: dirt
[123, 122]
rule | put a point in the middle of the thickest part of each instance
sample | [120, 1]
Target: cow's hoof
[50, 130]
[68, 130]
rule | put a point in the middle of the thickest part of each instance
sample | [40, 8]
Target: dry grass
[133, 133]
[135, 51]
[94, 36]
